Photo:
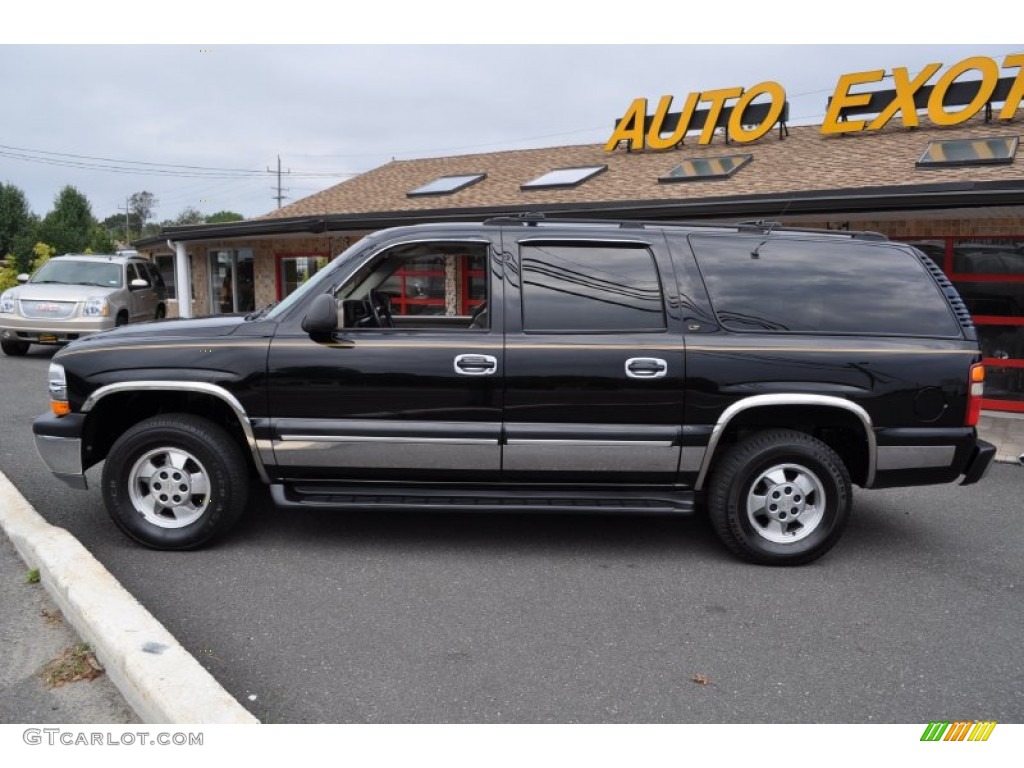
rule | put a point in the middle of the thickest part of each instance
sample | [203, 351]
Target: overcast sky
[91, 116]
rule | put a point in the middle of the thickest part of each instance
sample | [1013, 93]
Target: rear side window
[814, 286]
[595, 288]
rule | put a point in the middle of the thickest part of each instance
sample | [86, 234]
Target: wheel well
[840, 430]
[116, 413]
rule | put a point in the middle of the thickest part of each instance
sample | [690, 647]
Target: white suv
[74, 295]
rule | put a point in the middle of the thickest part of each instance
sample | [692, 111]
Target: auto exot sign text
[958, 94]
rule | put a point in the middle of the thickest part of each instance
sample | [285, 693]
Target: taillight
[976, 384]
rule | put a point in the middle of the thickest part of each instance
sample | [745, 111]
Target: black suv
[524, 363]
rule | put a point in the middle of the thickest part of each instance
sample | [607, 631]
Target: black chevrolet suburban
[750, 371]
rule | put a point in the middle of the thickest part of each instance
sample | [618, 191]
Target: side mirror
[23, 278]
[138, 282]
[322, 316]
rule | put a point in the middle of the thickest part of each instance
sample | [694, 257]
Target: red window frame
[403, 301]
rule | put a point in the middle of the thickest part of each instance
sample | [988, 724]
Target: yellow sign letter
[843, 98]
[631, 127]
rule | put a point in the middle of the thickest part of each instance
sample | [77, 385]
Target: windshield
[316, 283]
[103, 274]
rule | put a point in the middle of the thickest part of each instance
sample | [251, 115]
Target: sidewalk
[158, 678]
[32, 633]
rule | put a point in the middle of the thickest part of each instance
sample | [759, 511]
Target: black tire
[14, 348]
[166, 458]
[121, 319]
[794, 474]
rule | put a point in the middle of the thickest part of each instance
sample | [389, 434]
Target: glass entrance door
[232, 285]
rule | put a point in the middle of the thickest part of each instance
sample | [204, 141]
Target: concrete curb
[160, 680]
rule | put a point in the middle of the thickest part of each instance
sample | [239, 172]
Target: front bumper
[59, 443]
[51, 331]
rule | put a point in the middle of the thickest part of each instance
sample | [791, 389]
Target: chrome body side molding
[188, 386]
[761, 401]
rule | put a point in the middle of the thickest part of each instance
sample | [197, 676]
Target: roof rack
[760, 226]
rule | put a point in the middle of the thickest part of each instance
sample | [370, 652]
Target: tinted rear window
[817, 286]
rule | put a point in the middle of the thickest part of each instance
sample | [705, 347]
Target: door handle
[646, 368]
[475, 365]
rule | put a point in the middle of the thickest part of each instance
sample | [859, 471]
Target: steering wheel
[380, 308]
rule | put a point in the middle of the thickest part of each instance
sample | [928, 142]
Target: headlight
[96, 306]
[58, 385]
[7, 300]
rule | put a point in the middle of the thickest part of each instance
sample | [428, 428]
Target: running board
[449, 499]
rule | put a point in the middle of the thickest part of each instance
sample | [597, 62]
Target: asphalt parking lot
[915, 616]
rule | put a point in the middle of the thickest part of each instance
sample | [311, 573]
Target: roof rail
[760, 226]
[855, 234]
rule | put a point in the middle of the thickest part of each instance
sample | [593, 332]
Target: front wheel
[175, 481]
[780, 497]
[13, 347]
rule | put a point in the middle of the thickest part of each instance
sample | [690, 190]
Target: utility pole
[127, 221]
[279, 196]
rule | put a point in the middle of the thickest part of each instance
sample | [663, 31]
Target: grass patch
[71, 665]
[32, 576]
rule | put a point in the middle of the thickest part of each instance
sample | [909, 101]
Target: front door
[594, 360]
[411, 385]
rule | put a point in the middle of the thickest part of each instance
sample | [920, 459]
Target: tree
[17, 226]
[100, 241]
[140, 207]
[222, 216]
[189, 216]
[69, 226]
[114, 226]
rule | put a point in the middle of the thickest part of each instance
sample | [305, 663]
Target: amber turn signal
[60, 407]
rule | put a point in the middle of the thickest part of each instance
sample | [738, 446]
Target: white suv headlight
[96, 306]
[7, 302]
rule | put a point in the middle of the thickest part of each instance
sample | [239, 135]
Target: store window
[989, 274]
[165, 266]
[294, 269]
[232, 286]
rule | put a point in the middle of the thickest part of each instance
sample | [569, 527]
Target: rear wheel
[780, 497]
[175, 481]
[13, 347]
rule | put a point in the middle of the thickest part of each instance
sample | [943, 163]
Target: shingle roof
[805, 161]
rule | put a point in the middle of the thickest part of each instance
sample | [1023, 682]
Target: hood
[168, 330]
[59, 291]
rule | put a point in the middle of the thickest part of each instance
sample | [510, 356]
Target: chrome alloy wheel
[786, 503]
[169, 487]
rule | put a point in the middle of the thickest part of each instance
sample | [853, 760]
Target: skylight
[943, 154]
[701, 168]
[562, 178]
[446, 185]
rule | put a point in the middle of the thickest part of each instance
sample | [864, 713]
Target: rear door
[594, 359]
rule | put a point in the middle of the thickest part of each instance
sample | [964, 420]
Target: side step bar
[450, 499]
